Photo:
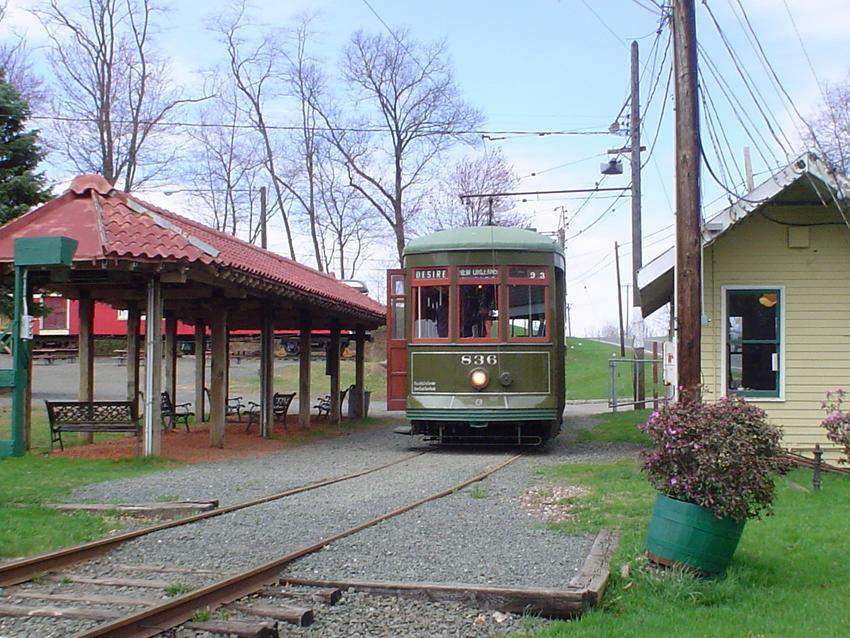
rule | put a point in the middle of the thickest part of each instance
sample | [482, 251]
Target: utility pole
[569, 324]
[688, 205]
[264, 234]
[637, 233]
[490, 211]
[620, 301]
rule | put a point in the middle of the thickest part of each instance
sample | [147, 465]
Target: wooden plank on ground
[142, 510]
[236, 628]
[593, 575]
[76, 613]
[94, 599]
[173, 570]
[548, 602]
[111, 582]
[298, 616]
[328, 595]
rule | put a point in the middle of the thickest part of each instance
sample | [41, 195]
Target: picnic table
[51, 354]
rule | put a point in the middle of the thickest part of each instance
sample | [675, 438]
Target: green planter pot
[690, 535]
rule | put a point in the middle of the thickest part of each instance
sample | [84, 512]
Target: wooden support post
[200, 369]
[171, 357]
[267, 373]
[304, 371]
[227, 364]
[688, 285]
[218, 374]
[134, 317]
[333, 361]
[85, 353]
[153, 369]
[359, 397]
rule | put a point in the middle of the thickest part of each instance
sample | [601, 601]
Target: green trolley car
[476, 336]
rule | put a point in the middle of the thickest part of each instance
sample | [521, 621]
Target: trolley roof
[483, 238]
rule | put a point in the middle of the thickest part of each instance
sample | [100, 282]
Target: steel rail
[25, 569]
[154, 620]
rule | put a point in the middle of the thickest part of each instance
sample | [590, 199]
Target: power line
[340, 129]
[554, 192]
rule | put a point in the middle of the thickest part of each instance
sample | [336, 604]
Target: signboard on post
[29, 252]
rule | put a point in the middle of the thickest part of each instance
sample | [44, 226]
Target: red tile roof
[110, 223]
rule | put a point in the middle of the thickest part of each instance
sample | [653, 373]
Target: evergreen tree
[21, 187]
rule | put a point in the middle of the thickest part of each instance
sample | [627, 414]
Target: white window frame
[56, 332]
[724, 325]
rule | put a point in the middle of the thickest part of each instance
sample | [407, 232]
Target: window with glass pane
[527, 310]
[398, 319]
[753, 342]
[432, 312]
[479, 311]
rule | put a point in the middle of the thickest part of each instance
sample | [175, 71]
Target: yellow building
[776, 298]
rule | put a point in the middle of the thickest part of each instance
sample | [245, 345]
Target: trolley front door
[396, 342]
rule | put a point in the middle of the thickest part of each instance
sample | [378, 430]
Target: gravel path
[244, 479]
[484, 531]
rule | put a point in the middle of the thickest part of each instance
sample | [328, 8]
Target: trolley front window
[430, 288]
[478, 302]
[528, 301]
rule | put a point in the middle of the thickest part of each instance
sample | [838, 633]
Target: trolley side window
[478, 302]
[528, 303]
[430, 287]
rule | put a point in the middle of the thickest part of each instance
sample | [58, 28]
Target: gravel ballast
[482, 523]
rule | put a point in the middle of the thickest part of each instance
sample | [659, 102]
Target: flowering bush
[837, 421]
[721, 456]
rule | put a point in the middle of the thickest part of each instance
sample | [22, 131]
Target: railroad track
[24, 569]
[209, 607]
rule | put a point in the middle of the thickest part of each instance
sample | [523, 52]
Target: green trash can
[354, 399]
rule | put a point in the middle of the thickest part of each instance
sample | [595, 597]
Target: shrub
[721, 456]
[837, 421]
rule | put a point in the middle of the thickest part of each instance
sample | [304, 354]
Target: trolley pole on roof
[688, 205]
[637, 235]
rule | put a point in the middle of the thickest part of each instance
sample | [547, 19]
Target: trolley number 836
[478, 359]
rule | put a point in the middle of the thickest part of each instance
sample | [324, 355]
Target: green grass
[788, 577]
[27, 483]
[615, 427]
[286, 380]
[587, 371]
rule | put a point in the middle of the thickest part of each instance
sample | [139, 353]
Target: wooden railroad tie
[583, 591]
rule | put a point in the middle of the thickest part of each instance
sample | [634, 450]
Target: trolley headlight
[479, 379]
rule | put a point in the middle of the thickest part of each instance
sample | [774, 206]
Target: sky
[563, 65]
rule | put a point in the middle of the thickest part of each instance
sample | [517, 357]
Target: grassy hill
[587, 370]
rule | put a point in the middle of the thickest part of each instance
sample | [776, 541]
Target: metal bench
[172, 414]
[280, 407]
[91, 417]
[323, 405]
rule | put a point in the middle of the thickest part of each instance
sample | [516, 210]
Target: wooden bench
[280, 407]
[91, 417]
[323, 405]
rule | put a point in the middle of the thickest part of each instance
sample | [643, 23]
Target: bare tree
[17, 65]
[224, 166]
[413, 112]
[487, 172]
[254, 66]
[830, 126]
[112, 90]
[346, 223]
[305, 81]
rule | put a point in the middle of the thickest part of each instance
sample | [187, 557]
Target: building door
[396, 342]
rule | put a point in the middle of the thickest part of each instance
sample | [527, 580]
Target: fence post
[655, 375]
[816, 475]
[612, 367]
